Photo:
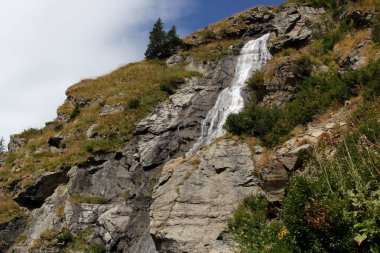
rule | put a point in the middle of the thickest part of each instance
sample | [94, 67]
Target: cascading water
[252, 57]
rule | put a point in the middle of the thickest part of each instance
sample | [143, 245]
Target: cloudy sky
[48, 45]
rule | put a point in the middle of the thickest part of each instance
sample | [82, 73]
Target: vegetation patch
[213, 51]
[9, 210]
[332, 207]
[88, 199]
[313, 94]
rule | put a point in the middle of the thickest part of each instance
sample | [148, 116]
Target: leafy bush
[254, 120]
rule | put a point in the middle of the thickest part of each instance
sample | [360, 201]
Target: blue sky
[46, 46]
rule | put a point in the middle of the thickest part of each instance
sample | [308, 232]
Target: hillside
[297, 169]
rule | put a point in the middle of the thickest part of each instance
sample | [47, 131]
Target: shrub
[254, 120]
[75, 112]
[208, 35]
[303, 66]
[376, 29]
[170, 85]
[133, 103]
[256, 81]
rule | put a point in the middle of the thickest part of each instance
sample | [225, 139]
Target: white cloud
[47, 45]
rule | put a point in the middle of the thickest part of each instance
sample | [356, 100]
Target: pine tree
[162, 44]
[2, 145]
[172, 38]
[157, 39]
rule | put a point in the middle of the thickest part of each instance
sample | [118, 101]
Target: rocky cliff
[147, 195]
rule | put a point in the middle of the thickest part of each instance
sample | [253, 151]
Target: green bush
[254, 120]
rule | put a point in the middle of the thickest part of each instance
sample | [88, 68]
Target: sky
[47, 46]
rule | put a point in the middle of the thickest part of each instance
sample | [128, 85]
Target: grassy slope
[135, 81]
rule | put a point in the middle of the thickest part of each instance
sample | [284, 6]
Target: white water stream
[252, 57]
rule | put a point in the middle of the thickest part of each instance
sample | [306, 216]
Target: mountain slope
[110, 173]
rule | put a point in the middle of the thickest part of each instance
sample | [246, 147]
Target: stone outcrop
[195, 197]
[15, 143]
[34, 195]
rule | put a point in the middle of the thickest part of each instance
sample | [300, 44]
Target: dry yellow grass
[213, 51]
[345, 46]
[365, 5]
[9, 209]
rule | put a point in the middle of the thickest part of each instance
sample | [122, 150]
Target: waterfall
[252, 57]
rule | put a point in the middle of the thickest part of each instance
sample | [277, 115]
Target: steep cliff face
[148, 195]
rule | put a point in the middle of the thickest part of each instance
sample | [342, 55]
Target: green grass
[88, 199]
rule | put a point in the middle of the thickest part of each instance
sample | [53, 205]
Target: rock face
[292, 25]
[10, 231]
[195, 197]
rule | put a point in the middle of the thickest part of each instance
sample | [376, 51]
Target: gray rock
[294, 159]
[15, 143]
[9, 232]
[195, 197]
[175, 60]
[110, 109]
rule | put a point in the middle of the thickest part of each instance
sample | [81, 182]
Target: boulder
[294, 159]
